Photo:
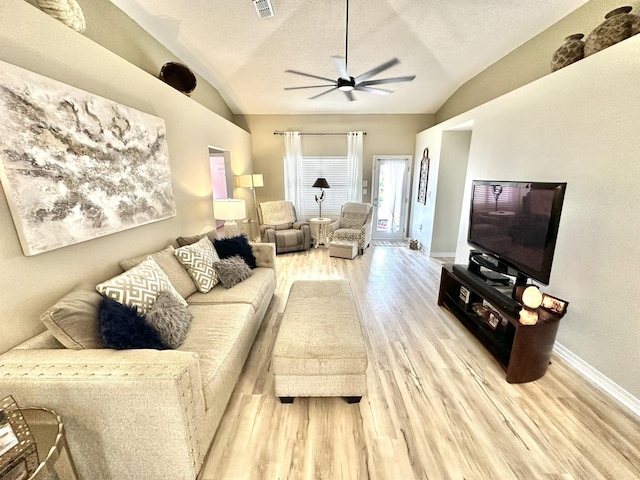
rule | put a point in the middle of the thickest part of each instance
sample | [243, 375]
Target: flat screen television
[516, 223]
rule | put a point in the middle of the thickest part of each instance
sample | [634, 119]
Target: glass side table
[48, 431]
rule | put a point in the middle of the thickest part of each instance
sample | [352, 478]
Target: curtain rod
[277, 132]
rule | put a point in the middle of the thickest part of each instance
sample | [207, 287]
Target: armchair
[353, 225]
[279, 225]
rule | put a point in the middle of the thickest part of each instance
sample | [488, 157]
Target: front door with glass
[390, 196]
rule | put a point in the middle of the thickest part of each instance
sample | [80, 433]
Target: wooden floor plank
[438, 405]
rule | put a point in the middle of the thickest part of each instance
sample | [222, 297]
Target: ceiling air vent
[264, 8]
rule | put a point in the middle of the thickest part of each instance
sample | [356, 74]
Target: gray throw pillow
[170, 318]
[184, 241]
[73, 320]
[232, 271]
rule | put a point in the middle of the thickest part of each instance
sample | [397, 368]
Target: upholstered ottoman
[343, 249]
[320, 349]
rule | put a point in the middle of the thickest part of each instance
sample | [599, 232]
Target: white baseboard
[442, 254]
[594, 376]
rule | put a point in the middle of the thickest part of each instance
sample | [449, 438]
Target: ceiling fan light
[345, 88]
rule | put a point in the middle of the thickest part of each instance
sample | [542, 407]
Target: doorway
[390, 196]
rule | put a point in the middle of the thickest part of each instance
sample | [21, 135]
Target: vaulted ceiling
[442, 43]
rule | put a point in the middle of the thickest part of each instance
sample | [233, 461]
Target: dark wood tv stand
[524, 351]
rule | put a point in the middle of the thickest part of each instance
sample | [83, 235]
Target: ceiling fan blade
[332, 80]
[341, 66]
[350, 96]
[323, 93]
[377, 70]
[377, 91]
[387, 80]
[309, 86]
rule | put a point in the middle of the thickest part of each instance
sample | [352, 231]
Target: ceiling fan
[346, 83]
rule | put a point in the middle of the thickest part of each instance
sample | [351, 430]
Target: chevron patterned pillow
[198, 259]
[139, 286]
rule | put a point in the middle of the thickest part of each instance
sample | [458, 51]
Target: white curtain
[393, 190]
[292, 158]
[354, 156]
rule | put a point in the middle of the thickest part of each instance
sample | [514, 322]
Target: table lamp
[229, 210]
[320, 183]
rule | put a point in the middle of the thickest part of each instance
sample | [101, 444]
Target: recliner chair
[279, 225]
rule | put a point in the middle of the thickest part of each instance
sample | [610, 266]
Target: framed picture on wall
[424, 177]
[75, 166]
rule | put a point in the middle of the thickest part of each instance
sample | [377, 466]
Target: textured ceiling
[443, 43]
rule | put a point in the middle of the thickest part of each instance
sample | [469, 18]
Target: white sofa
[147, 414]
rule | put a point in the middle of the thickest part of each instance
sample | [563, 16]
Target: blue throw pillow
[239, 245]
[122, 327]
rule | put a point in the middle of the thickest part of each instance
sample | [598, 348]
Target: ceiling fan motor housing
[346, 85]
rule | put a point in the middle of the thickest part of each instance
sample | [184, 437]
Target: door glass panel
[389, 193]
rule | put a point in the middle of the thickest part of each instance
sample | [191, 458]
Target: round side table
[320, 230]
[49, 434]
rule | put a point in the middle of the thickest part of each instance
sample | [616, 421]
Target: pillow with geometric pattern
[198, 259]
[170, 265]
[139, 286]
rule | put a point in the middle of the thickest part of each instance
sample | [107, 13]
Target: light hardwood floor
[438, 405]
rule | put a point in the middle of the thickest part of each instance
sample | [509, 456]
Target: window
[337, 171]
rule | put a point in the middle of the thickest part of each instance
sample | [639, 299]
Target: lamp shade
[257, 180]
[244, 181]
[229, 209]
[250, 181]
[320, 182]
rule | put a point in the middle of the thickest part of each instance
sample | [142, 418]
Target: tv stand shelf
[524, 351]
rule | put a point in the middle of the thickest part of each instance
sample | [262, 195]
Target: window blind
[337, 171]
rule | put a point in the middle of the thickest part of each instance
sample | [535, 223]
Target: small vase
[179, 76]
[615, 28]
[570, 52]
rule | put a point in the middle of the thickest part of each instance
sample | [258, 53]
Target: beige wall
[453, 166]
[386, 135]
[579, 125]
[28, 285]
[108, 26]
[529, 61]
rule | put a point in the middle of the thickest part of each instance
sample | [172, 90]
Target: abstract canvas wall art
[75, 166]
